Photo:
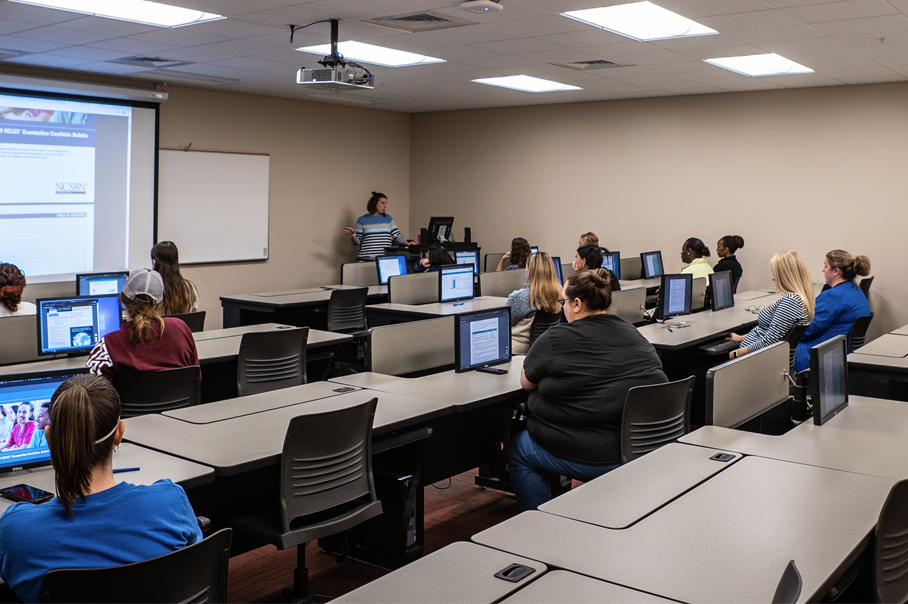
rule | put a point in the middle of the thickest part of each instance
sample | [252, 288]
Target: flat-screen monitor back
[75, 324]
[675, 295]
[455, 283]
[390, 266]
[440, 228]
[652, 264]
[557, 261]
[723, 294]
[828, 379]
[482, 338]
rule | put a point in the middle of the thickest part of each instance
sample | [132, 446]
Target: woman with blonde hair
[838, 307]
[795, 307]
[541, 293]
[180, 295]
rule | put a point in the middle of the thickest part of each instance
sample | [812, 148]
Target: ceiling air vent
[588, 65]
[149, 62]
[421, 21]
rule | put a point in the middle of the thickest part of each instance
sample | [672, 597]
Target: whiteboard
[214, 206]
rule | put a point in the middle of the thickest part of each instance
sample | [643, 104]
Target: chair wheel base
[287, 595]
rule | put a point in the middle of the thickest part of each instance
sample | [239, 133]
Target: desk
[650, 283]
[564, 586]
[880, 368]
[302, 307]
[727, 540]
[704, 326]
[389, 314]
[155, 466]
[901, 331]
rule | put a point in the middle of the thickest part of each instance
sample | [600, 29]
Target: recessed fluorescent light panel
[376, 55]
[641, 21]
[760, 65]
[136, 11]
[526, 83]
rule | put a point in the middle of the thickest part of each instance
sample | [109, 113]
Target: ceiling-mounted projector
[483, 7]
[337, 77]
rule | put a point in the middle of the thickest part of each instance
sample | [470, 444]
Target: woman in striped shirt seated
[794, 308]
[376, 230]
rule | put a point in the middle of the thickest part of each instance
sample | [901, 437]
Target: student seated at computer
[12, 283]
[180, 295]
[589, 256]
[725, 250]
[93, 522]
[541, 292]
[590, 237]
[376, 230]
[795, 307]
[147, 341]
[578, 375]
[516, 257]
[837, 308]
[435, 259]
[694, 252]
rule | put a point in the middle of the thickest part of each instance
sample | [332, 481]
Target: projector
[337, 77]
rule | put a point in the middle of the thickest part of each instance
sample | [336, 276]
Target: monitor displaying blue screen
[455, 283]
[612, 261]
[101, 284]
[652, 264]
[390, 266]
[675, 295]
[557, 261]
[25, 404]
[73, 325]
[469, 257]
[482, 338]
[534, 249]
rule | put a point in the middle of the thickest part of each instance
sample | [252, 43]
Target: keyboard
[719, 346]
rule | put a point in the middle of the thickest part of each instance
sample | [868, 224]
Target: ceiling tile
[236, 48]
[698, 42]
[111, 27]
[87, 53]
[258, 65]
[26, 45]
[357, 9]
[513, 9]
[475, 34]
[195, 55]
[279, 17]
[753, 20]
[178, 37]
[109, 68]
[836, 11]
[234, 28]
[34, 14]
[53, 33]
[871, 79]
[694, 9]
[539, 26]
[231, 8]
[47, 61]
[592, 36]
[8, 26]
[777, 34]
[131, 46]
[518, 46]
[861, 26]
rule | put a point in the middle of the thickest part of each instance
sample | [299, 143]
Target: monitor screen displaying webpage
[455, 283]
[652, 264]
[101, 284]
[390, 266]
[612, 261]
[75, 325]
[482, 338]
[468, 257]
[722, 294]
[675, 295]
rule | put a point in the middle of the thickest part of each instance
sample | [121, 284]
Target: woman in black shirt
[578, 377]
[725, 249]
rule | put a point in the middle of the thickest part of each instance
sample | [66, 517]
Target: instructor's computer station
[482, 339]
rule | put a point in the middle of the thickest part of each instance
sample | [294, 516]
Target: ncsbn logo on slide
[71, 188]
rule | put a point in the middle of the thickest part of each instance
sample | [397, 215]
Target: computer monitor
[675, 295]
[482, 338]
[723, 295]
[390, 266]
[557, 261]
[534, 249]
[455, 283]
[652, 264]
[612, 261]
[33, 390]
[74, 325]
[440, 229]
[468, 257]
[101, 284]
[828, 379]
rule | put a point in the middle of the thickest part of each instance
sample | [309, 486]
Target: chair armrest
[204, 525]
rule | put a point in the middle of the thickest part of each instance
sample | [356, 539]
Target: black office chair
[865, 284]
[326, 484]
[347, 309]
[890, 564]
[195, 321]
[734, 284]
[271, 360]
[147, 392]
[794, 338]
[197, 573]
[542, 321]
[789, 588]
[858, 332]
[654, 416]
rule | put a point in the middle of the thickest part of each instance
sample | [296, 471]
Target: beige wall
[807, 169]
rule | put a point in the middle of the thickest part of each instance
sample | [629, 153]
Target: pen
[118, 470]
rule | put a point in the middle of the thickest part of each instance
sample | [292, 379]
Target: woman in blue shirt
[376, 230]
[838, 307]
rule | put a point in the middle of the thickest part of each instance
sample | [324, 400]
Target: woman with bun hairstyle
[589, 256]
[376, 230]
[180, 295]
[578, 375]
[94, 522]
[436, 258]
[541, 292]
[694, 252]
[516, 257]
[12, 283]
[838, 307]
[725, 250]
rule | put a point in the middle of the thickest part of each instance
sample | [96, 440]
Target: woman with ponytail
[147, 341]
[180, 295]
[376, 230]
[12, 283]
[838, 307]
[578, 375]
[94, 522]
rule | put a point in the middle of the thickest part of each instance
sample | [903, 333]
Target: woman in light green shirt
[694, 252]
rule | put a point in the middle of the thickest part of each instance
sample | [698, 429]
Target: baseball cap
[144, 281]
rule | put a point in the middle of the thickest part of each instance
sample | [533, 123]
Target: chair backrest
[734, 284]
[865, 286]
[789, 589]
[793, 339]
[327, 462]
[743, 388]
[411, 347]
[490, 262]
[631, 268]
[18, 339]
[542, 321]
[361, 274]
[858, 332]
[271, 360]
[420, 288]
[196, 573]
[654, 416]
[347, 309]
[889, 565]
[629, 304]
[502, 283]
[566, 271]
[145, 392]
[698, 294]
[195, 321]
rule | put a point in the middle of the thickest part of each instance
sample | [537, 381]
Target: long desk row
[301, 307]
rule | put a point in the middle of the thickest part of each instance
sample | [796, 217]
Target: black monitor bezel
[457, 319]
[73, 351]
[814, 383]
[663, 289]
[616, 262]
[532, 247]
[440, 287]
[731, 290]
[643, 262]
[378, 270]
[469, 251]
[556, 260]
[445, 221]
[80, 275]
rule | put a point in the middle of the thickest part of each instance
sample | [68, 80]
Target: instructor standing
[376, 230]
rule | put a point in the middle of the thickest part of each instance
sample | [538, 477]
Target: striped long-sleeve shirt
[374, 234]
[775, 321]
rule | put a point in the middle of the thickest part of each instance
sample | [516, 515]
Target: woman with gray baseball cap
[146, 341]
